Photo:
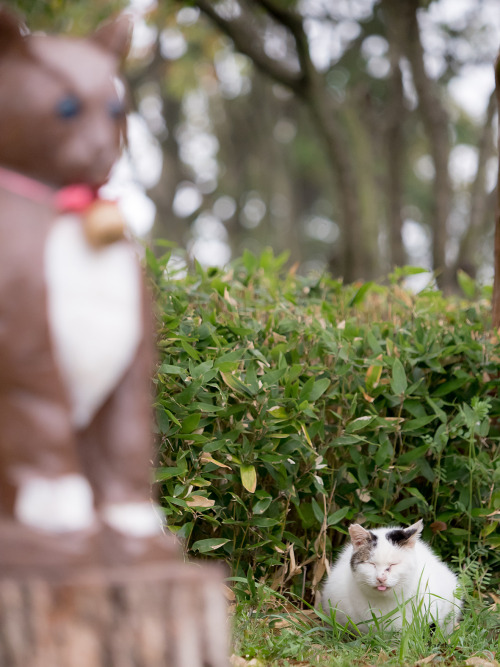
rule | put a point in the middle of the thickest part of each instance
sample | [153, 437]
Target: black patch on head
[399, 536]
[432, 629]
[363, 553]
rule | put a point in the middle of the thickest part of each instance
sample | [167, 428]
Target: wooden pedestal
[148, 615]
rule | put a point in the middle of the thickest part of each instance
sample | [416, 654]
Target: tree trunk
[435, 120]
[395, 142]
[147, 615]
[356, 260]
[495, 299]
[480, 213]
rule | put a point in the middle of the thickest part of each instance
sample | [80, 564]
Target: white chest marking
[94, 304]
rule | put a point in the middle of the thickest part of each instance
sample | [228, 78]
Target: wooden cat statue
[88, 573]
[76, 343]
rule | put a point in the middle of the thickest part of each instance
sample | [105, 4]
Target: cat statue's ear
[359, 535]
[12, 31]
[115, 36]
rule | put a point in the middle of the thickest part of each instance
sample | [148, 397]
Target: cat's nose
[382, 577]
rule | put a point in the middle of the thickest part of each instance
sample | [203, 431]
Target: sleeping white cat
[390, 570]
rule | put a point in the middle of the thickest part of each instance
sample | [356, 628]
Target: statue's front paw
[136, 519]
[58, 505]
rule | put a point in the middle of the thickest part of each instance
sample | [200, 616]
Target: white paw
[58, 505]
[140, 519]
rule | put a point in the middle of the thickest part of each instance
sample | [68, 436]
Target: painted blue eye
[69, 107]
[116, 109]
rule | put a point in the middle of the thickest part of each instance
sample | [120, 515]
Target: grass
[270, 631]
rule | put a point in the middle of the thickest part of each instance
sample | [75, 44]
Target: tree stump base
[146, 615]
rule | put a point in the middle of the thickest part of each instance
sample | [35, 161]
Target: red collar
[72, 198]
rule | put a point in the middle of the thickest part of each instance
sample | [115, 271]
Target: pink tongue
[381, 588]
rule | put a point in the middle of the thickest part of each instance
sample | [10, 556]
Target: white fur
[57, 505]
[417, 575]
[94, 304]
[141, 519]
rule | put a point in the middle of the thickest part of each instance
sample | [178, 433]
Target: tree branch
[294, 22]
[249, 43]
[309, 85]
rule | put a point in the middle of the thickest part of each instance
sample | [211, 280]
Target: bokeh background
[355, 135]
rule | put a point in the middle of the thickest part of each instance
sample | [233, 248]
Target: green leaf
[191, 422]
[373, 343]
[235, 383]
[416, 424]
[306, 390]
[450, 386]
[405, 504]
[264, 522]
[167, 473]
[343, 440]
[152, 262]
[360, 294]
[277, 412]
[372, 377]
[384, 453]
[417, 494]
[248, 477]
[261, 505]
[360, 423]
[440, 413]
[467, 284]
[202, 368]
[187, 347]
[412, 455]
[399, 383]
[205, 546]
[317, 511]
[168, 369]
[337, 516]
[318, 389]
[162, 420]
[230, 357]
[272, 377]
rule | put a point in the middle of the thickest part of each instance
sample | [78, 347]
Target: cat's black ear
[12, 31]
[414, 531]
[359, 535]
[406, 537]
[115, 36]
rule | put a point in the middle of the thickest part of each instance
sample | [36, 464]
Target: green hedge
[288, 408]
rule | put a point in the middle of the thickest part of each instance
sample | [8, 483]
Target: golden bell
[103, 223]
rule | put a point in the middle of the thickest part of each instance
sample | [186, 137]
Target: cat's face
[383, 559]
[61, 112]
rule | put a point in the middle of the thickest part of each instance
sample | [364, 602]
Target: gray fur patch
[363, 554]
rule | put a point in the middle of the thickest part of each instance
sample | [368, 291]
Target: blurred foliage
[288, 408]
[266, 145]
[73, 16]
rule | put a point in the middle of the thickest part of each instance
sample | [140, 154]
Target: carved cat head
[62, 114]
